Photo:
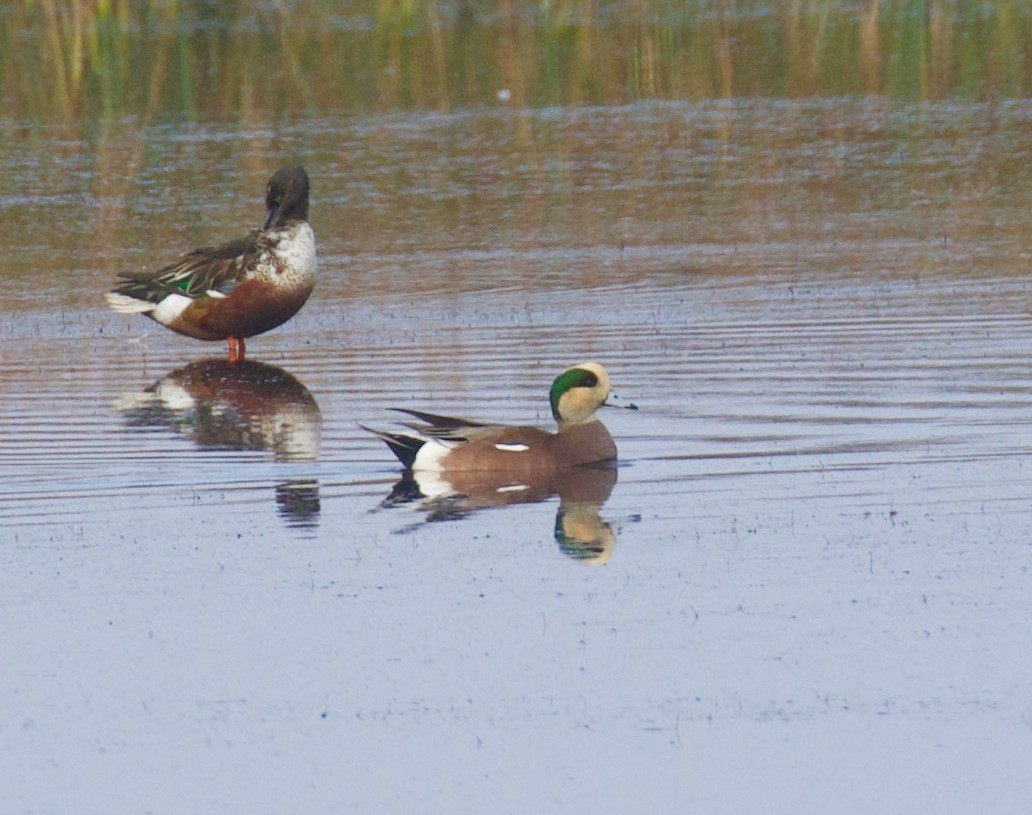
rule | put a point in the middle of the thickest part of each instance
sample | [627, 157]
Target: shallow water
[805, 588]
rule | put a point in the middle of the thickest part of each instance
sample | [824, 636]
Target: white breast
[295, 253]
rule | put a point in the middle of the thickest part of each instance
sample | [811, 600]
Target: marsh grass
[87, 58]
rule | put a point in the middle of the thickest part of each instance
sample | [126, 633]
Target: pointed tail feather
[404, 447]
[440, 422]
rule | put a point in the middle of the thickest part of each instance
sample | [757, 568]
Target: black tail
[404, 447]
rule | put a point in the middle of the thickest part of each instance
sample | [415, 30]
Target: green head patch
[573, 378]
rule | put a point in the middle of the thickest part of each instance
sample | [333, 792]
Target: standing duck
[240, 289]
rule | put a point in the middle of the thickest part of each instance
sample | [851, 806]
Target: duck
[443, 444]
[241, 288]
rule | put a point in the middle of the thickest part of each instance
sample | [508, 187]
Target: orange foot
[237, 349]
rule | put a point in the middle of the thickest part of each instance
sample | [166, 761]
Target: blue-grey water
[807, 589]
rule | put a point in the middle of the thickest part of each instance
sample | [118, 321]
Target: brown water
[807, 589]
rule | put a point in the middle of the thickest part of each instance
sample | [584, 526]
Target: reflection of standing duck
[232, 406]
[242, 405]
[241, 288]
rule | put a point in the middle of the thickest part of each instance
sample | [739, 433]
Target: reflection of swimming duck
[450, 445]
[241, 288]
[583, 535]
[579, 530]
[232, 406]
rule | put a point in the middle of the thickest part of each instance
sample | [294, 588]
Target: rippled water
[808, 584]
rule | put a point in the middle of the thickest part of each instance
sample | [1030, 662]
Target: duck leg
[237, 349]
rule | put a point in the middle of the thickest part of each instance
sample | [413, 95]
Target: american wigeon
[449, 444]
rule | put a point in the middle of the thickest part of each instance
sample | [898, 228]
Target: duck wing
[211, 271]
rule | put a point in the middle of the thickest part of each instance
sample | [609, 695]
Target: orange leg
[237, 349]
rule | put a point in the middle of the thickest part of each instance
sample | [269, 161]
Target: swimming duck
[449, 444]
[240, 289]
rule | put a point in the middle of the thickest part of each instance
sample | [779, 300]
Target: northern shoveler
[239, 289]
[447, 444]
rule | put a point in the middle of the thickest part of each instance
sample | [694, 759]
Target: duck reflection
[221, 405]
[580, 531]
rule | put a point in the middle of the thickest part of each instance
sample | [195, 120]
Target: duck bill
[271, 217]
[618, 403]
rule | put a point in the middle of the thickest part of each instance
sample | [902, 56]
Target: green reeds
[66, 60]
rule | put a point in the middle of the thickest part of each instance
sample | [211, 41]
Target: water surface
[804, 588]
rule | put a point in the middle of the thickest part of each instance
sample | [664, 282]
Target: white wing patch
[428, 459]
[512, 448]
[216, 294]
[170, 308]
